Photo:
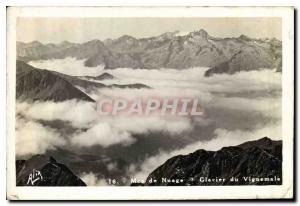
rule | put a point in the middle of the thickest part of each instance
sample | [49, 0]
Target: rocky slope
[101, 77]
[44, 85]
[130, 86]
[41, 170]
[36, 84]
[169, 50]
[258, 159]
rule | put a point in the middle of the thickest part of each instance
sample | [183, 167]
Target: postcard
[150, 103]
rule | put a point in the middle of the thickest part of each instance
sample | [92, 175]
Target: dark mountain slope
[76, 81]
[259, 159]
[130, 86]
[22, 67]
[264, 143]
[89, 86]
[41, 170]
[36, 84]
[100, 77]
[244, 60]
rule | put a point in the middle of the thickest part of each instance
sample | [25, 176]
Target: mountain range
[255, 159]
[169, 50]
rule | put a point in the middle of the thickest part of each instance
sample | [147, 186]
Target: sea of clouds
[240, 107]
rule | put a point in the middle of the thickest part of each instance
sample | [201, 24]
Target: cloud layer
[92, 129]
[237, 108]
[69, 65]
[91, 179]
[34, 138]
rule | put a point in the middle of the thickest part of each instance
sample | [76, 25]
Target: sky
[79, 30]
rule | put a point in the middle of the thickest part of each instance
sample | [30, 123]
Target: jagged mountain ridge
[100, 77]
[36, 84]
[41, 170]
[261, 158]
[169, 50]
[43, 85]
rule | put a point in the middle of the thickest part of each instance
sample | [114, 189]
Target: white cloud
[108, 131]
[140, 125]
[79, 113]
[69, 65]
[101, 130]
[182, 33]
[191, 83]
[34, 138]
[111, 166]
[102, 134]
[91, 179]
[268, 106]
[192, 78]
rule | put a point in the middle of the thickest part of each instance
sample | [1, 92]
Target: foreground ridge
[41, 170]
[256, 162]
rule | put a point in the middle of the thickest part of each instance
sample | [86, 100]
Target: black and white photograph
[151, 101]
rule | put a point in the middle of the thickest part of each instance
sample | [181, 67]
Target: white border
[156, 193]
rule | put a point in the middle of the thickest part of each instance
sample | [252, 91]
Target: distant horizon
[45, 43]
[80, 30]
